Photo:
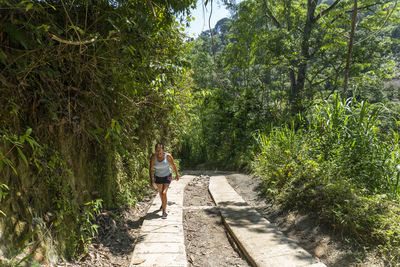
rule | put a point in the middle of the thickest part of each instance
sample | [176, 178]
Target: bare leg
[164, 197]
[160, 191]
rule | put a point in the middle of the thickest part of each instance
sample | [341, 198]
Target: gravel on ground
[206, 240]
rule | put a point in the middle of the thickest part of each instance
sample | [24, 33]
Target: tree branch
[365, 7]
[72, 24]
[326, 11]
[274, 20]
[380, 28]
[152, 8]
[52, 36]
[271, 16]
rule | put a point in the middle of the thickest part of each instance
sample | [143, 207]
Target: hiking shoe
[164, 215]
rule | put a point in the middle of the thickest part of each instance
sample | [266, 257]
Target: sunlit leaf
[28, 6]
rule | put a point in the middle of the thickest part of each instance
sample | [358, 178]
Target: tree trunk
[351, 41]
[298, 86]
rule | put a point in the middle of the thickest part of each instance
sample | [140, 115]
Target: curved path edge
[258, 239]
[161, 242]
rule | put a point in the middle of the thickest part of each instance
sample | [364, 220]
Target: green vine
[95, 83]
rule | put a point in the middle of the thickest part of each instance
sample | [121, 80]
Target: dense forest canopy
[286, 55]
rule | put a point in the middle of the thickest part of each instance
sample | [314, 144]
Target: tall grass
[347, 134]
[342, 167]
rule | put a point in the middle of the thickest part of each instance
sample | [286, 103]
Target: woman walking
[160, 163]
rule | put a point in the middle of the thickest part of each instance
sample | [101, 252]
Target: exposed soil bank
[118, 231]
[304, 229]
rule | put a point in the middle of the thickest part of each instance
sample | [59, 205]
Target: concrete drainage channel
[260, 241]
[201, 239]
[207, 241]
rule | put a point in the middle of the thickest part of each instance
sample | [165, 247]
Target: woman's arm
[151, 170]
[172, 163]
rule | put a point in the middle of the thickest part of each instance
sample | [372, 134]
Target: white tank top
[161, 167]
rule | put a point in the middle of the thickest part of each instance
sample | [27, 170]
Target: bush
[339, 166]
[95, 83]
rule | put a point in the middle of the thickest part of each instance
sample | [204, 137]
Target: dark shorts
[164, 180]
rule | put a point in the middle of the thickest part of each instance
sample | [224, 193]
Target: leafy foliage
[341, 167]
[306, 42]
[95, 83]
[275, 70]
[272, 59]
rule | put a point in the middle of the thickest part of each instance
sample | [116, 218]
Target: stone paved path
[259, 240]
[161, 242]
